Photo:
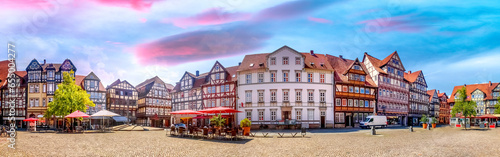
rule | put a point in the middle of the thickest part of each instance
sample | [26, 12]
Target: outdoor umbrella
[31, 120]
[77, 114]
[104, 113]
[219, 110]
[186, 112]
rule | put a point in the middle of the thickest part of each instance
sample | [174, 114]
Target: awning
[120, 119]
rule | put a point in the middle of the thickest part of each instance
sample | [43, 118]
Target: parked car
[374, 121]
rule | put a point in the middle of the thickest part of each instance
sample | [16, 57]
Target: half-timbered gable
[220, 89]
[93, 85]
[187, 93]
[34, 70]
[418, 98]
[122, 99]
[154, 104]
[187, 81]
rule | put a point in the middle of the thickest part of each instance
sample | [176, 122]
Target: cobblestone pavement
[444, 141]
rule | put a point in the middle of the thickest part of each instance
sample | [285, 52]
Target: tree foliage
[497, 106]
[462, 105]
[68, 98]
[218, 121]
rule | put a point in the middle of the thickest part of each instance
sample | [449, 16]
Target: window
[356, 89]
[339, 117]
[37, 103]
[351, 89]
[261, 115]
[362, 90]
[227, 88]
[322, 96]
[285, 60]
[273, 115]
[355, 103]
[44, 88]
[298, 76]
[273, 76]
[32, 88]
[285, 76]
[298, 95]
[273, 61]
[217, 76]
[310, 95]
[248, 79]
[362, 78]
[248, 96]
[209, 90]
[322, 78]
[361, 103]
[249, 114]
[285, 95]
[261, 96]
[298, 114]
[32, 103]
[310, 114]
[344, 102]
[309, 77]
[297, 60]
[261, 77]
[222, 89]
[357, 67]
[273, 95]
[344, 88]
[213, 89]
[338, 102]
[350, 103]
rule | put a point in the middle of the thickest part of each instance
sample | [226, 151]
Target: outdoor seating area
[207, 133]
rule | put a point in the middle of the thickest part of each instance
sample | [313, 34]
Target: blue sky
[454, 43]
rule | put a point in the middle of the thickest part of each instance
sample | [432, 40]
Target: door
[348, 121]
[322, 121]
[286, 115]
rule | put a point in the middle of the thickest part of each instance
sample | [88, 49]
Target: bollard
[411, 128]
[428, 127]
[373, 130]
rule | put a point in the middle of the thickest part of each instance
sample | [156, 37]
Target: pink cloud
[403, 23]
[25, 4]
[139, 5]
[213, 16]
[143, 20]
[199, 46]
[318, 20]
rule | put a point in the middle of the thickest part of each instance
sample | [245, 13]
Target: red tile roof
[486, 88]
[232, 72]
[4, 71]
[431, 94]
[79, 80]
[412, 77]
[342, 65]
[375, 62]
[318, 60]
[256, 60]
[387, 59]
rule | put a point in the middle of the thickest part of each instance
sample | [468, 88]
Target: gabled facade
[393, 90]
[219, 88]
[18, 97]
[485, 95]
[355, 92]
[418, 99]
[433, 103]
[42, 83]
[93, 85]
[154, 104]
[444, 108]
[286, 85]
[187, 93]
[121, 98]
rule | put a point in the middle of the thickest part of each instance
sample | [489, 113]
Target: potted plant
[434, 122]
[245, 124]
[424, 121]
[218, 121]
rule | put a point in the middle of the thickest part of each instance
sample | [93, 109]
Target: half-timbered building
[433, 103]
[418, 98]
[17, 96]
[219, 89]
[444, 108]
[284, 87]
[154, 104]
[485, 95]
[393, 90]
[121, 98]
[93, 85]
[187, 94]
[42, 84]
[355, 92]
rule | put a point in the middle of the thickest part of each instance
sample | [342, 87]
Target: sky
[452, 42]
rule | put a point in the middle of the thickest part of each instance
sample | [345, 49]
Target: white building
[286, 85]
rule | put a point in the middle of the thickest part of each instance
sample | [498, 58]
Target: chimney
[438, 91]
[490, 84]
[197, 73]
[312, 52]
[409, 72]
[341, 57]
[239, 63]
[465, 85]
[44, 61]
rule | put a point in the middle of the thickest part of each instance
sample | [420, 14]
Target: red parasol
[186, 112]
[77, 114]
[219, 110]
[30, 120]
[487, 116]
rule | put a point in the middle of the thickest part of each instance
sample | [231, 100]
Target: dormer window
[357, 67]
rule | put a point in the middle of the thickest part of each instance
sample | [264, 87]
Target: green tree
[497, 106]
[462, 105]
[68, 98]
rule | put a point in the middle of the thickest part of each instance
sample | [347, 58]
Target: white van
[374, 121]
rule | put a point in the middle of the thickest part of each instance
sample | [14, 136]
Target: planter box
[492, 126]
[458, 125]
